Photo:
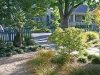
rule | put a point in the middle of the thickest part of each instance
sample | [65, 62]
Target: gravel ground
[14, 65]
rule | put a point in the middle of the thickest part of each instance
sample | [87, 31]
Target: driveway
[41, 38]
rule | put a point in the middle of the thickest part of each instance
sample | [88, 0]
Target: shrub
[9, 54]
[91, 56]
[1, 41]
[91, 35]
[19, 51]
[8, 50]
[2, 54]
[85, 53]
[30, 42]
[14, 52]
[96, 60]
[39, 30]
[60, 59]
[82, 59]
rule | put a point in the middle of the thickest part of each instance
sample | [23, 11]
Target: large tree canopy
[66, 8]
[8, 9]
[30, 8]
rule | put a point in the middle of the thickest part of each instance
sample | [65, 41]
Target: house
[76, 18]
[78, 15]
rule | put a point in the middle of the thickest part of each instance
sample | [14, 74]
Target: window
[78, 18]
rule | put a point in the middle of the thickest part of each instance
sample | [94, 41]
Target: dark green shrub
[14, 52]
[1, 41]
[23, 47]
[30, 42]
[9, 44]
[82, 59]
[9, 54]
[91, 56]
[1, 54]
[19, 51]
[96, 60]
[8, 50]
[33, 48]
[25, 50]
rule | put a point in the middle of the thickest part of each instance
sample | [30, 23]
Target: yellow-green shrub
[90, 35]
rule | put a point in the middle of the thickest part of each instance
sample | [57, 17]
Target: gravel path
[14, 65]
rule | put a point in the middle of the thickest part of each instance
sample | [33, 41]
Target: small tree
[68, 40]
[19, 22]
[88, 19]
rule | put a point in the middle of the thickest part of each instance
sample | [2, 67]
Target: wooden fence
[8, 35]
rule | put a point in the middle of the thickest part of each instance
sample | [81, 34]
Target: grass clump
[82, 60]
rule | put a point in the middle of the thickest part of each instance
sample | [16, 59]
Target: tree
[8, 9]
[88, 19]
[68, 40]
[66, 8]
[96, 15]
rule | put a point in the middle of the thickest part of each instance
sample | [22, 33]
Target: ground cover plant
[8, 49]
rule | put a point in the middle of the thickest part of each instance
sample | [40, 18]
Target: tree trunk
[65, 22]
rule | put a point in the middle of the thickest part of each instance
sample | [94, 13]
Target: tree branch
[66, 6]
[74, 6]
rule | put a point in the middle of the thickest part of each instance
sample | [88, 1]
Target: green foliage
[83, 53]
[20, 19]
[92, 56]
[1, 41]
[72, 39]
[69, 39]
[19, 51]
[56, 17]
[60, 59]
[82, 59]
[90, 35]
[88, 18]
[9, 54]
[56, 37]
[40, 30]
[96, 60]
[9, 50]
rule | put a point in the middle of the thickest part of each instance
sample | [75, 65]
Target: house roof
[81, 9]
